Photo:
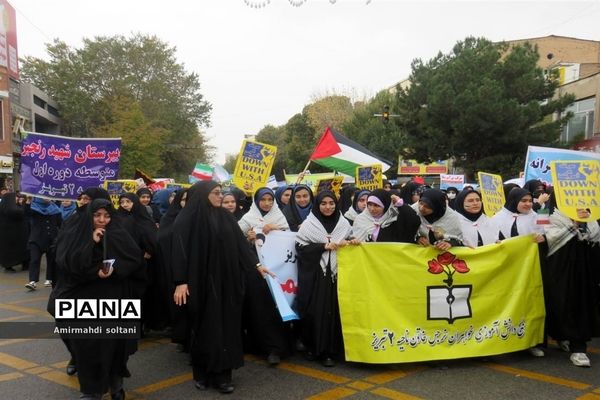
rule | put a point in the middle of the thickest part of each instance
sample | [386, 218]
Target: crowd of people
[189, 255]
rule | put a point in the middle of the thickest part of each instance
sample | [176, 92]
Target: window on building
[39, 102]
[582, 122]
[53, 111]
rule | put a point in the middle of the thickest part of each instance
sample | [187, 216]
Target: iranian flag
[202, 172]
[339, 153]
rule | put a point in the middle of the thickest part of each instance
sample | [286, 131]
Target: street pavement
[35, 369]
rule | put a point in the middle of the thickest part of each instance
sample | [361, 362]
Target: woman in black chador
[210, 254]
[13, 232]
[571, 279]
[140, 225]
[80, 249]
[321, 234]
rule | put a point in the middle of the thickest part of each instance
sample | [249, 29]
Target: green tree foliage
[483, 104]
[140, 140]
[142, 68]
[384, 138]
[333, 111]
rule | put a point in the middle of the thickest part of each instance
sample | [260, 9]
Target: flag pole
[301, 174]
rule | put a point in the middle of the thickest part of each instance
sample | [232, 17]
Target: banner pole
[301, 175]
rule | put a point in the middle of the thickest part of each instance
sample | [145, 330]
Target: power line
[32, 24]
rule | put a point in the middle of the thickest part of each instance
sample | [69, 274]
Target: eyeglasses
[217, 192]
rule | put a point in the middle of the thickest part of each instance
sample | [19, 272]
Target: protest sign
[118, 187]
[537, 164]
[447, 180]
[60, 168]
[253, 165]
[369, 177]
[492, 193]
[577, 186]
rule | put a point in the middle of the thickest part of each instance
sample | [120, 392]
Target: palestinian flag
[202, 172]
[339, 153]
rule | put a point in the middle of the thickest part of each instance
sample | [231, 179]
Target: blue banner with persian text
[59, 167]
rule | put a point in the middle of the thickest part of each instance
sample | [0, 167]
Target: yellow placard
[492, 192]
[577, 186]
[118, 187]
[369, 177]
[253, 165]
[333, 184]
[407, 303]
[412, 167]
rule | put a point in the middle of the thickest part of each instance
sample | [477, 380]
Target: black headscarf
[291, 211]
[259, 194]
[346, 198]
[385, 197]
[532, 187]
[436, 200]
[514, 197]
[357, 197]
[328, 222]
[142, 191]
[460, 205]
[407, 191]
[174, 208]
[75, 247]
[139, 223]
[279, 194]
[508, 187]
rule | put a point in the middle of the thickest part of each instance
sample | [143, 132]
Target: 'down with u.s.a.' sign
[253, 166]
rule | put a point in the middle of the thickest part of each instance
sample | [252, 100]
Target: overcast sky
[260, 66]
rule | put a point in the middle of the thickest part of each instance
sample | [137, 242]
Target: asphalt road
[35, 369]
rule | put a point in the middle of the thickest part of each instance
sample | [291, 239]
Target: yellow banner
[369, 177]
[406, 303]
[333, 184]
[253, 166]
[577, 186]
[412, 167]
[309, 180]
[492, 192]
[118, 187]
[178, 186]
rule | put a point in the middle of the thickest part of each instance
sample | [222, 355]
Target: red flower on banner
[446, 258]
[435, 267]
[448, 263]
[460, 266]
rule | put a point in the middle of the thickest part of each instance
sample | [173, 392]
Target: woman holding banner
[265, 328]
[440, 225]
[385, 219]
[301, 202]
[477, 228]
[210, 254]
[517, 218]
[321, 234]
[571, 279]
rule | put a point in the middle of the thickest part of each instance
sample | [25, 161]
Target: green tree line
[480, 105]
[133, 88]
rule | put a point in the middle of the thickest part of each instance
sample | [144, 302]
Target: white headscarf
[365, 224]
[254, 219]
[312, 231]
[487, 229]
[562, 229]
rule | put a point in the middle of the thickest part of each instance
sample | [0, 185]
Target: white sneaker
[31, 285]
[564, 345]
[536, 351]
[580, 360]
[48, 283]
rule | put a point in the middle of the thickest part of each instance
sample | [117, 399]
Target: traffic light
[386, 114]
